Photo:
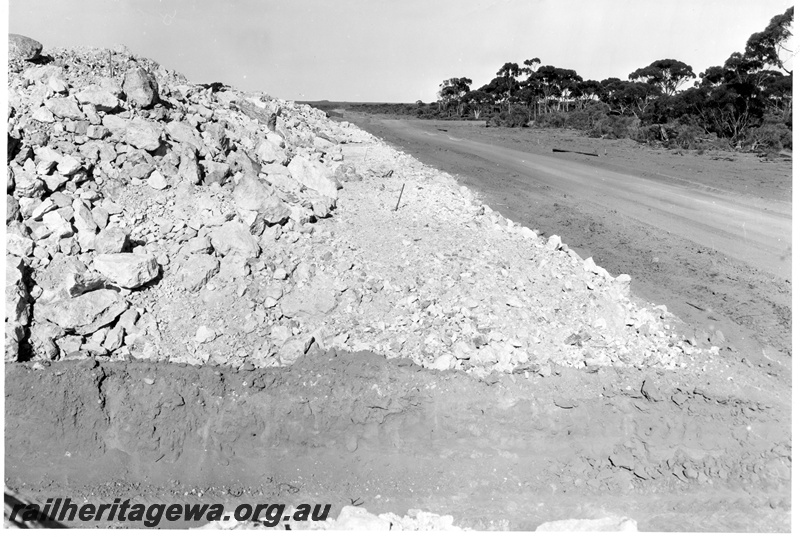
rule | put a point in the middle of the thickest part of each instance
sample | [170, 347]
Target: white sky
[395, 50]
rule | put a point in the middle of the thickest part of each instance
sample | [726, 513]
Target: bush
[615, 127]
[586, 118]
[772, 136]
[555, 120]
[517, 118]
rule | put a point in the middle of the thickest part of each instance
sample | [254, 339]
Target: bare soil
[506, 452]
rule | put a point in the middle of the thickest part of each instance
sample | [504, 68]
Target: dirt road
[718, 257]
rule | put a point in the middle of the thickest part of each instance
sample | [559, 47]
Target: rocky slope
[155, 219]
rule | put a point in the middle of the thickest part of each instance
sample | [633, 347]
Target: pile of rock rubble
[152, 218]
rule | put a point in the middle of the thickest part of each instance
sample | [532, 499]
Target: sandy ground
[704, 267]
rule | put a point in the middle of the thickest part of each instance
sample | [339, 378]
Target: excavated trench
[505, 452]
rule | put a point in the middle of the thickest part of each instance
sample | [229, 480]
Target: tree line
[745, 103]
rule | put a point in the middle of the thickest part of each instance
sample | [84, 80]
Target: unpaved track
[718, 258]
[752, 231]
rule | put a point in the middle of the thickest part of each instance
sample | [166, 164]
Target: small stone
[205, 334]
[157, 181]
[554, 242]
[443, 362]
[359, 519]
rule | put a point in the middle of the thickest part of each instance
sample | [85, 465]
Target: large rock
[215, 172]
[23, 48]
[197, 270]
[189, 169]
[86, 313]
[257, 112]
[252, 194]
[140, 87]
[17, 243]
[269, 152]
[313, 175]
[111, 240]
[102, 99]
[58, 225]
[233, 237]
[184, 133]
[126, 269]
[143, 134]
[64, 107]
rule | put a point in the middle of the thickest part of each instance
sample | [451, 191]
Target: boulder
[84, 314]
[184, 133]
[313, 175]
[111, 240]
[233, 237]
[268, 152]
[127, 270]
[140, 87]
[215, 172]
[68, 165]
[43, 115]
[102, 99]
[58, 225]
[143, 134]
[252, 194]
[189, 169]
[64, 107]
[21, 47]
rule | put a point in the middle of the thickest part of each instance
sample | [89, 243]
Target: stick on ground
[399, 197]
